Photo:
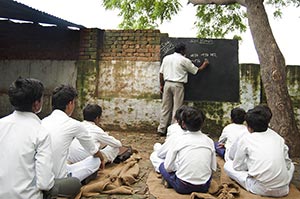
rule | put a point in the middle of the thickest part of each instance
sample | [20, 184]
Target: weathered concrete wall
[118, 69]
[130, 91]
[129, 106]
[122, 77]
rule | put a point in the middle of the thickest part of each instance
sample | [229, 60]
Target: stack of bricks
[131, 45]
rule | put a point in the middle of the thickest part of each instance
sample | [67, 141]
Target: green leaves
[143, 14]
[214, 21]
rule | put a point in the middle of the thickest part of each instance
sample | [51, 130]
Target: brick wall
[118, 69]
[90, 41]
[131, 45]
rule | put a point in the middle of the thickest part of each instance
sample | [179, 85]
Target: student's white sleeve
[223, 136]
[108, 140]
[213, 161]
[103, 137]
[240, 157]
[286, 157]
[234, 147]
[86, 140]
[169, 162]
[162, 152]
[44, 162]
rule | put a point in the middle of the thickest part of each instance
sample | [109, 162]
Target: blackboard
[220, 80]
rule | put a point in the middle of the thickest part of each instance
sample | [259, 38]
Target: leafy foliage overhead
[215, 21]
[143, 14]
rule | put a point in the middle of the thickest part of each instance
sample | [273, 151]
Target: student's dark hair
[193, 118]
[62, 95]
[178, 113]
[238, 115]
[257, 119]
[267, 111]
[180, 48]
[91, 112]
[24, 92]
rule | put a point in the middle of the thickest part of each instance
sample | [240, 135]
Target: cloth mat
[222, 187]
[114, 179]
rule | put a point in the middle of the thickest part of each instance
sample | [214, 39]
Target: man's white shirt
[175, 67]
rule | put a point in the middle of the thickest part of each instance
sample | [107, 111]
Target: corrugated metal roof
[14, 10]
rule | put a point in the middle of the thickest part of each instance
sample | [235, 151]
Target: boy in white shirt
[191, 160]
[174, 131]
[110, 145]
[63, 129]
[261, 164]
[25, 148]
[231, 132]
[235, 144]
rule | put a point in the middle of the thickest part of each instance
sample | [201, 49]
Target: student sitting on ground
[191, 160]
[261, 164]
[231, 132]
[110, 145]
[25, 148]
[63, 129]
[176, 126]
[235, 144]
[174, 131]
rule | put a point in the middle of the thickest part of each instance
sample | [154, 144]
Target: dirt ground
[143, 143]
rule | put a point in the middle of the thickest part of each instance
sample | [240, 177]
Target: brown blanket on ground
[222, 187]
[114, 179]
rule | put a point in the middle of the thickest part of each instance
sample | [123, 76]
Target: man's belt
[173, 81]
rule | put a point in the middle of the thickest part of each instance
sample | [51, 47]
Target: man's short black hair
[238, 115]
[257, 119]
[24, 92]
[180, 48]
[62, 95]
[193, 118]
[91, 112]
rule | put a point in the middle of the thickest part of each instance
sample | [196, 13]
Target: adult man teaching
[173, 74]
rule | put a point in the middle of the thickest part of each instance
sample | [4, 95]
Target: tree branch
[218, 2]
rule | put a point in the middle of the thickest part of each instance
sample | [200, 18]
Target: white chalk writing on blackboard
[204, 54]
[213, 55]
[194, 55]
[202, 41]
[166, 47]
[207, 54]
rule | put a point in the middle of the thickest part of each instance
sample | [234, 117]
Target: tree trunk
[273, 73]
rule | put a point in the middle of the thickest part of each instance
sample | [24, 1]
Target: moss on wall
[127, 77]
[214, 113]
[87, 78]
